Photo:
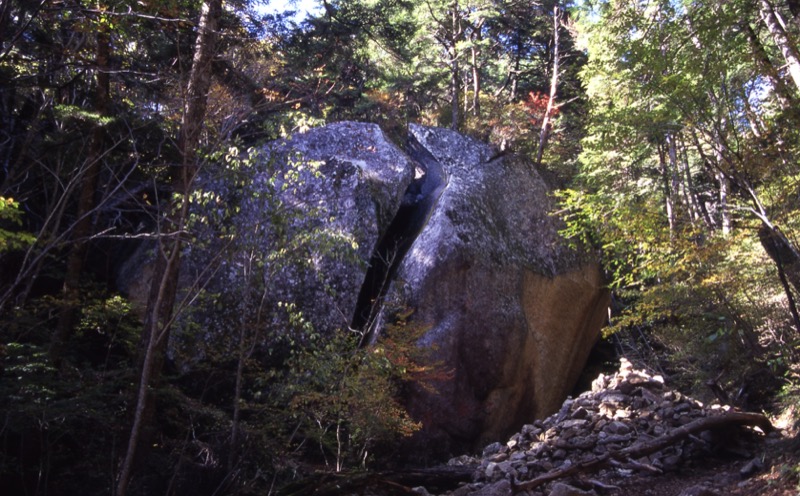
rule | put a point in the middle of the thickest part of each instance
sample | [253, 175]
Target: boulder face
[362, 176]
[512, 311]
[351, 182]
[309, 211]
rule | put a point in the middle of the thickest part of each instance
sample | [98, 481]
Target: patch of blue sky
[302, 8]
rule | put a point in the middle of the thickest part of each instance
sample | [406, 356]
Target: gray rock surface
[561, 489]
[363, 176]
[513, 312]
[628, 407]
[307, 213]
[352, 183]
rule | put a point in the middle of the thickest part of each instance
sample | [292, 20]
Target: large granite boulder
[351, 183]
[513, 312]
[307, 212]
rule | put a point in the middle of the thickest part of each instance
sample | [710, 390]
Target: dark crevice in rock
[418, 203]
[603, 359]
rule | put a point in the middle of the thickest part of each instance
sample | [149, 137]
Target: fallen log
[399, 482]
[644, 448]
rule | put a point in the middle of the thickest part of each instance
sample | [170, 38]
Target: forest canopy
[670, 131]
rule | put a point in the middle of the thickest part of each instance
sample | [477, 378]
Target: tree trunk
[666, 179]
[86, 204]
[544, 133]
[237, 395]
[782, 40]
[454, 68]
[247, 344]
[787, 262]
[724, 210]
[164, 287]
[515, 78]
[764, 63]
[723, 177]
[781, 251]
[467, 101]
[674, 176]
[476, 72]
[711, 168]
[696, 208]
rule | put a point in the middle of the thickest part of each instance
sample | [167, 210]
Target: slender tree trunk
[164, 287]
[789, 296]
[786, 261]
[467, 101]
[476, 71]
[695, 209]
[723, 178]
[724, 210]
[515, 79]
[456, 92]
[237, 395]
[474, 79]
[781, 251]
[755, 123]
[724, 187]
[16, 152]
[86, 203]
[246, 346]
[666, 179]
[5, 10]
[47, 239]
[454, 68]
[674, 177]
[544, 133]
[782, 40]
[711, 168]
[237, 398]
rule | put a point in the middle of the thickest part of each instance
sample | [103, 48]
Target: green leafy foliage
[10, 215]
[61, 424]
[671, 194]
[344, 399]
[676, 132]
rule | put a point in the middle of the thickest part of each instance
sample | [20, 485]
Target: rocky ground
[632, 435]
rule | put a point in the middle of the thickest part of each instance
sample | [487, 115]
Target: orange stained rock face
[564, 315]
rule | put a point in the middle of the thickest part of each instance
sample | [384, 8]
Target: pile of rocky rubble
[622, 413]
